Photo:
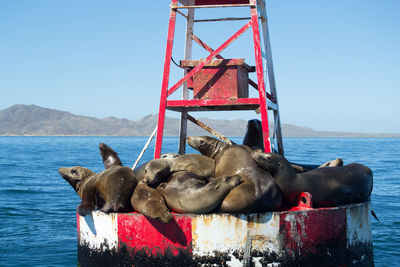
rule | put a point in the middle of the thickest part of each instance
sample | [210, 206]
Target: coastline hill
[26, 120]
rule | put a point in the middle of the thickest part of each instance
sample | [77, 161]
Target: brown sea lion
[186, 192]
[145, 199]
[253, 137]
[329, 186]
[258, 190]
[140, 170]
[149, 202]
[110, 190]
[157, 170]
[109, 156]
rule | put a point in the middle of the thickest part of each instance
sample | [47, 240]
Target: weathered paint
[339, 236]
[230, 233]
[358, 224]
[98, 230]
[219, 79]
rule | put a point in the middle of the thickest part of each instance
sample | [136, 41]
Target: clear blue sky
[337, 63]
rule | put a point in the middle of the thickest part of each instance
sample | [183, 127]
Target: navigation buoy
[338, 236]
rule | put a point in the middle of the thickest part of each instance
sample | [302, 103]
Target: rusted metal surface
[339, 236]
[219, 79]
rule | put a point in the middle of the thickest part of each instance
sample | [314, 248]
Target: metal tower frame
[267, 99]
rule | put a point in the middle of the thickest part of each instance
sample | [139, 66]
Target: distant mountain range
[26, 120]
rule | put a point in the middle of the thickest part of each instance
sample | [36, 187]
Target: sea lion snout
[189, 140]
[67, 173]
[62, 172]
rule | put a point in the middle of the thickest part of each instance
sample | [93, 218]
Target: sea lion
[145, 199]
[109, 156]
[258, 191]
[140, 171]
[149, 202]
[329, 186]
[253, 137]
[157, 170]
[110, 190]
[186, 192]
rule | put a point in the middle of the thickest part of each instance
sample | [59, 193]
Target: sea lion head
[150, 203]
[110, 157]
[271, 162]
[75, 176]
[206, 145]
[254, 135]
[156, 170]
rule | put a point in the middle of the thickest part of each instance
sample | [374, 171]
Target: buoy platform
[338, 236]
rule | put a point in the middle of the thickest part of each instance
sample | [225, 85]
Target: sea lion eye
[201, 141]
[73, 171]
[280, 164]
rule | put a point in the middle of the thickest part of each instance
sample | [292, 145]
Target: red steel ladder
[267, 96]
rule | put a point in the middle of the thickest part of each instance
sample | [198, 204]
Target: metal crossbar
[264, 71]
[212, 6]
[209, 58]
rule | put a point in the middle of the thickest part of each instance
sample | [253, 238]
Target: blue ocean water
[37, 207]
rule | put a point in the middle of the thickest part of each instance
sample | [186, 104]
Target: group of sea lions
[181, 183]
[226, 178]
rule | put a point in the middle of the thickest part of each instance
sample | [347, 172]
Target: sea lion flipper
[107, 208]
[109, 156]
[85, 208]
[150, 202]
[374, 215]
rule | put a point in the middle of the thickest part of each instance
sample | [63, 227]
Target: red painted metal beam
[212, 102]
[220, 2]
[260, 77]
[209, 58]
[164, 87]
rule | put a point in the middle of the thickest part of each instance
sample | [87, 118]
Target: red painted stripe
[137, 232]
[212, 102]
[304, 231]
